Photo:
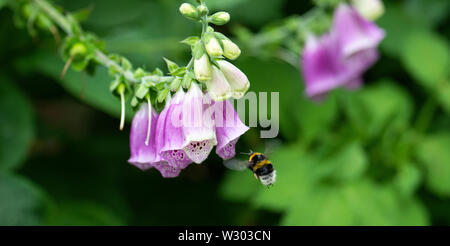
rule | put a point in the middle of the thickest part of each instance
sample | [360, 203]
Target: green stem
[55, 15]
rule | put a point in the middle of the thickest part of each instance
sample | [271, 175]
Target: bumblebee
[258, 163]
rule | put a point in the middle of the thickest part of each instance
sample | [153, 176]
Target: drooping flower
[143, 147]
[230, 49]
[218, 86]
[237, 80]
[202, 67]
[170, 133]
[227, 81]
[353, 32]
[198, 128]
[340, 57]
[321, 67]
[142, 154]
[212, 45]
[228, 129]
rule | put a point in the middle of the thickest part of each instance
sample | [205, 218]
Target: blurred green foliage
[377, 156]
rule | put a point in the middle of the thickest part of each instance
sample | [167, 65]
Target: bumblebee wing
[271, 146]
[236, 164]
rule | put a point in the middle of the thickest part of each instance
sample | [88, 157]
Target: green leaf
[433, 152]
[358, 203]
[3, 3]
[323, 207]
[82, 214]
[349, 163]
[21, 202]
[315, 118]
[239, 186]
[294, 178]
[443, 96]
[378, 106]
[414, 14]
[16, 126]
[426, 55]
[407, 179]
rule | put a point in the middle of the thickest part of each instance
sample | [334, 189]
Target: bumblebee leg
[256, 177]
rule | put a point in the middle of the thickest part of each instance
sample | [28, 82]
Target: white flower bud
[369, 9]
[189, 11]
[230, 49]
[202, 68]
[220, 18]
[236, 78]
[218, 87]
[212, 46]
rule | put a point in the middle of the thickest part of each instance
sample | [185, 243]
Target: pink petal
[143, 156]
[198, 131]
[354, 32]
[228, 129]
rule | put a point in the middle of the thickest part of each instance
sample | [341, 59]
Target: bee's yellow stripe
[253, 155]
[261, 164]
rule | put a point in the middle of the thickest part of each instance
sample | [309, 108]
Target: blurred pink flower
[340, 57]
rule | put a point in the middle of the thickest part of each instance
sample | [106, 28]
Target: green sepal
[139, 73]
[160, 86]
[134, 102]
[171, 66]
[175, 84]
[193, 40]
[187, 80]
[198, 50]
[162, 95]
[114, 84]
[158, 72]
[126, 64]
[179, 71]
[141, 91]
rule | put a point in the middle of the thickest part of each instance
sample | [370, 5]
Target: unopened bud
[202, 9]
[212, 45]
[220, 18]
[202, 68]
[189, 11]
[369, 9]
[78, 49]
[230, 49]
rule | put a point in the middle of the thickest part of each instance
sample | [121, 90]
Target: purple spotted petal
[170, 134]
[198, 128]
[166, 170]
[142, 155]
[228, 129]
[355, 33]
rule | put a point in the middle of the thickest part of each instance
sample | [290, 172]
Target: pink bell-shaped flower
[170, 133]
[228, 128]
[198, 127]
